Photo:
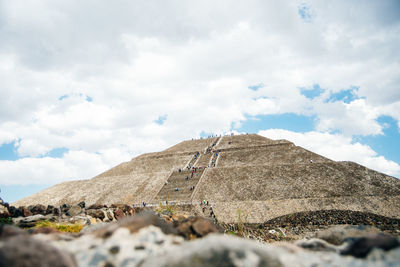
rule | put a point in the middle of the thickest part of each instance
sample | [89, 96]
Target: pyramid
[260, 177]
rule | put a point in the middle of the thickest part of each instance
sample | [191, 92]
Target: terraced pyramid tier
[251, 174]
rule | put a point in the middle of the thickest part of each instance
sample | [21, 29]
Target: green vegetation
[62, 227]
[7, 220]
[166, 209]
[242, 220]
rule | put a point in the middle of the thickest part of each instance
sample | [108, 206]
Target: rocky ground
[120, 235]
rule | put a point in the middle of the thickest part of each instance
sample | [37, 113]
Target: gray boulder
[75, 210]
[38, 209]
[316, 244]
[218, 250]
[4, 212]
[30, 221]
[22, 250]
[14, 212]
[24, 211]
[96, 213]
[362, 246]
[339, 234]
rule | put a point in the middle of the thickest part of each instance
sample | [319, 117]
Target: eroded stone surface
[23, 250]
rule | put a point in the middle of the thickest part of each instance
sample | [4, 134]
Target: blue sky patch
[345, 96]
[388, 144]
[63, 97]
[204, 134]
[256, 87]
[57, 152]
[87, 98]
[161, 119]
[312, 92]
[8, 152]
[287, 121]
[11, 193]
[305, 13]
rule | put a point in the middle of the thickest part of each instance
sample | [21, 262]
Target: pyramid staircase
[192, 161]
[203, 160]
[178, 180]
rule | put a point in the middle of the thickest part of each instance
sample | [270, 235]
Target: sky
[86, 85]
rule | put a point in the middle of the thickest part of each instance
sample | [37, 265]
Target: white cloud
[354, 118]
[337, 147]
[73, 165]
[193, 62]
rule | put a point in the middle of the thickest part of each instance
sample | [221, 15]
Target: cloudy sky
[86, 85]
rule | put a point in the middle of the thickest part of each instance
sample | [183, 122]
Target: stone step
[203, 160]
[177, 180]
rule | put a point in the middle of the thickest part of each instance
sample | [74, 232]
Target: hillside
[262, 178]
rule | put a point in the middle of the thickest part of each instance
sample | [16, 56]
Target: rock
[92, 221]
[178, 217]
[109, 216]
[4, 212]
[57, 211]
[65, 207]
[125, 208]
[317, 245]
[119, 214]
[203, 227]
[166, 218]
[96, 226]
[131, 211]
[7, 231]
[49, 209]
[82, 204]
[97, 206]
[14, 212]
[135, 241]
[120, 248]
[75, 210]
[219, 250]
[22, 250]
[24, 211]
[38, 209]
[360, 247]
[27, 222]
[43, 230]
[336, 235]
[95, 213]
[196, 227]
[80, 219]
[216, 250]
[135, 223]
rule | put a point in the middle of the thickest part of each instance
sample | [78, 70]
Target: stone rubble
[112, 237]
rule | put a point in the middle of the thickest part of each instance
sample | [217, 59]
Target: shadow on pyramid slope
[257, 176]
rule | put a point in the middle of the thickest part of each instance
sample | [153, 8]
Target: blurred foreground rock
[19, 249]
[149, 240]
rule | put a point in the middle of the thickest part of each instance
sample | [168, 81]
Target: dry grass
[241, 221]
[62, 227]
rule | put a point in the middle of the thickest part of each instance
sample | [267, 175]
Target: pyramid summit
[261, 177]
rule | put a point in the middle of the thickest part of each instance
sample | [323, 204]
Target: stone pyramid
[260, 177]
